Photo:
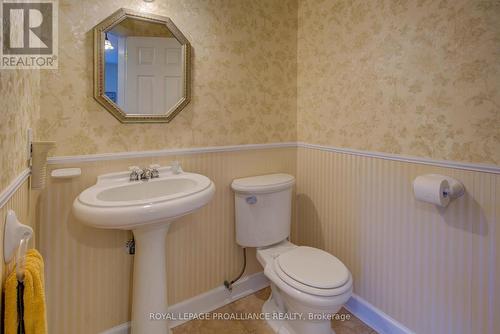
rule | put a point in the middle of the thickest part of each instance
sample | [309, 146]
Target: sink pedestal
[146, 208]
[149, 296]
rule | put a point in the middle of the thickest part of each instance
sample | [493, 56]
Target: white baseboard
[120, 329]
[374, 317]
[208, 301]
[218, 297]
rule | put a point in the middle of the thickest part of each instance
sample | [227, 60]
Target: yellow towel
[35, 320]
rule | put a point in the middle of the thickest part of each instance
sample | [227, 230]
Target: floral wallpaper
[243, 82]
[20, 107]
[407, 77]
[415, 77]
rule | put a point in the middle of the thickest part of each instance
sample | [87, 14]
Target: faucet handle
[154, 170]
[135, 174]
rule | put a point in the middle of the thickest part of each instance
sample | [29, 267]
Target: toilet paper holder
[437, 189]
[456, 188]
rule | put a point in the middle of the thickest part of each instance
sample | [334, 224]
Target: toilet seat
[312, 271]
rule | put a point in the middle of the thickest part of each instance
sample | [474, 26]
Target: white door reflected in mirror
[143, 74]
[153, 68]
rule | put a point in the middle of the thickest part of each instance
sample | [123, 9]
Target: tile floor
[251, 304]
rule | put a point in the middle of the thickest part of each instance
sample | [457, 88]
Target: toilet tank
[263, 208]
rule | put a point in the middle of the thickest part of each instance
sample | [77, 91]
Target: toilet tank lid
[263, 183]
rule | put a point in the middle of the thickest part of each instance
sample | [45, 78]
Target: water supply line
[229, 285]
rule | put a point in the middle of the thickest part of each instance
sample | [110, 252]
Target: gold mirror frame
[99, 63]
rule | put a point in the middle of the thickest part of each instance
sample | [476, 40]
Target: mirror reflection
[143, 67]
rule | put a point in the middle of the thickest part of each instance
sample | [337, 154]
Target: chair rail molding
[11, 189]
[477, 167]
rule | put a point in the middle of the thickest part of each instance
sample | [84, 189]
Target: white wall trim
[406, 158]
[159, 153]
[375, 318]
[208, 301]
[120, 329]
[218, 297]
[11, 189]
[214, 149]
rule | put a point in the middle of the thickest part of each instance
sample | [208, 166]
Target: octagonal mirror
[141, 67]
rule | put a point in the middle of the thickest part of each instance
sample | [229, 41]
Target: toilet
[308, 285]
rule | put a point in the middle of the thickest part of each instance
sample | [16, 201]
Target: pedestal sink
[147, 208]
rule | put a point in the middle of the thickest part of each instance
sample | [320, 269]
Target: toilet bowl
[308, 285]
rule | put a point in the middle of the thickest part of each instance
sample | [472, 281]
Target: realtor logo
[29, 34]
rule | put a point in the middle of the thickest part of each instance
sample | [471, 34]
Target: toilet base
[281, 322]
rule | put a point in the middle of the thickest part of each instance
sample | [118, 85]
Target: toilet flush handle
[251, 199]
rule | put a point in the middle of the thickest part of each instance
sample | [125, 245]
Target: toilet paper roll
[432, 188]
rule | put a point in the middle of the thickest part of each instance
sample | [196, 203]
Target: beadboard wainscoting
[88, 272]
[431, 270]
[434, 270]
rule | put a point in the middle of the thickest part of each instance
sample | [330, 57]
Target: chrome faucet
[144, 174]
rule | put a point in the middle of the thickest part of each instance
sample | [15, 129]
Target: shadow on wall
[66, 221]
[310, 229]
[475, 222]
[93, 238]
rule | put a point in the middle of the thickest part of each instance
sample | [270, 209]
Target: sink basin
[147, 208]
[154, 191]
[115, 202]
